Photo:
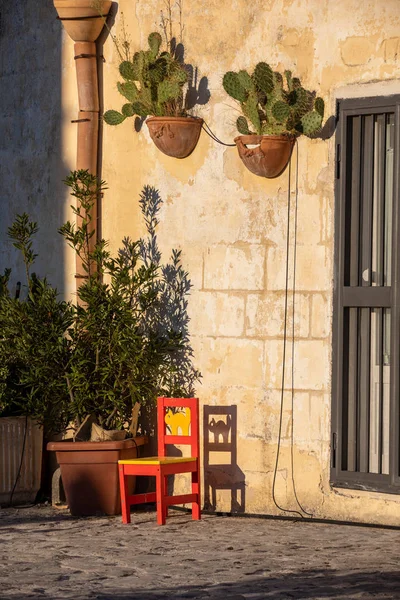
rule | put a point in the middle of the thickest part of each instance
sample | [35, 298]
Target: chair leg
[160, 493]
[123, 488]
[196, 511]
[166, 494]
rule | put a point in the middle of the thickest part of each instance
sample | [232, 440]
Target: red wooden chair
[162, 465]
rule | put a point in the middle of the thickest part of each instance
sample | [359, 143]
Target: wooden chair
[187, 423]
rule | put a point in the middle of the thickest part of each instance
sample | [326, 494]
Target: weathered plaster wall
[32, 165]
[231, 226]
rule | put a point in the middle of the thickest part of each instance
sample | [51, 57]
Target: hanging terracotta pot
[82, 21]
[270, 156]
[175, 136]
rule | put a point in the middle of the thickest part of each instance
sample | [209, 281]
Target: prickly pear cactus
[153, 84]
[273, 104]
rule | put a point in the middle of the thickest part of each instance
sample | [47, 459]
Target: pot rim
[197, 120]
[68, 446]
[254, 138]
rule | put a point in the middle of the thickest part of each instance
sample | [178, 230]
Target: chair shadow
[220, 422]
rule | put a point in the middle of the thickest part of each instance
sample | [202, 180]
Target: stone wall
[231, 227]
[32, 164]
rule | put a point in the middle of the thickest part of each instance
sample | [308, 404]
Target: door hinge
[338, 157]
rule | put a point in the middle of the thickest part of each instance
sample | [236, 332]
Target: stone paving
[47, 554]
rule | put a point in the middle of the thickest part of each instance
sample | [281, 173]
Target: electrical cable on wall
[296, 512]
[293, 331]
[212, 135]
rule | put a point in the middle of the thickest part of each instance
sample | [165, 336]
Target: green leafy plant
[153, 84]
[34, 350]
[273, 104]
[125, 340]
[128, 344]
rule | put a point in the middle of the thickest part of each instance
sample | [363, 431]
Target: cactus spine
[274, 104]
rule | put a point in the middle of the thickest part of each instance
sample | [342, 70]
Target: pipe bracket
[82, 18]
[89, 56]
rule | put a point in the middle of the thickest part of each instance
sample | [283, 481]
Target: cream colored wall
[231, 227]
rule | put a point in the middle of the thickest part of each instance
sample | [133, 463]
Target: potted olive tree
[156, 85]
[128, 344]
[34, 352]
[276, 110]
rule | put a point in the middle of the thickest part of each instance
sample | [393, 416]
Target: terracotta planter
[89, 472]
[271, 155]
[175, 136]
[81, 20]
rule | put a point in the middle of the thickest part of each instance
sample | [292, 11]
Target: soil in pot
[89, 472]
[270, 156]
[175, 136]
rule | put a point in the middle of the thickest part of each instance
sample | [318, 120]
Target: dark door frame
[344, 296]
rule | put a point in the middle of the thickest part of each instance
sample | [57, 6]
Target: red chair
[162, 465]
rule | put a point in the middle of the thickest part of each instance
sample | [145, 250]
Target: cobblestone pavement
[46, 553]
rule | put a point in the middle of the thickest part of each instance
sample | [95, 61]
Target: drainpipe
[84, 22]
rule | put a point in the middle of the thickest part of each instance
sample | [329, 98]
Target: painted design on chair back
[178, 421]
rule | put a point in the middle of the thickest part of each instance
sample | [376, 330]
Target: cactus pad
[250, 109]
[127, 110]
[140, 109]
[242, 126]
[288, 77]
[311, 122]
[320, 106]
[128, 90]
[127, 70]
[233, 87]
[246, 81]
[168, 90]
[154, 40]
[113, 117]
[280, 111]
[263, 78]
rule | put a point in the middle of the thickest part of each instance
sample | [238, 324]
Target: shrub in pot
[34, 352]
[128, 344]
[159, 86]
[276, 110]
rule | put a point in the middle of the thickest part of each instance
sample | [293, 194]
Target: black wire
[293, 314]
[21, 461]
[213, 136]
[296, 512]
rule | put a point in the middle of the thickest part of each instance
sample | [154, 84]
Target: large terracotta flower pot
[89, 472]
[271, 155]
[81, 19]
[175, 136]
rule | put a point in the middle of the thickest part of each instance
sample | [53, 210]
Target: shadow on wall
[101, 40]
[31, 166]
[221, 471]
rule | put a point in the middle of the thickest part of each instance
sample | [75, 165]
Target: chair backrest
[178, 423]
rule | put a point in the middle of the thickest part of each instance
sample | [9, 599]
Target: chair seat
[158, 460]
